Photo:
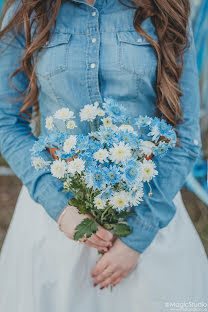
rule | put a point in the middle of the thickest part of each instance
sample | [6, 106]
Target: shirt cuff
[52, 198]
[141, 236]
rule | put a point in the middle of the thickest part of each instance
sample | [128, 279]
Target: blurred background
[195, 191]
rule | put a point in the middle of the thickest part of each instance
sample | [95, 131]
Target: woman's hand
[102, 240]
[114, 265]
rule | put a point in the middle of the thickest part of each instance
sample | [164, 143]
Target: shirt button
[139, 40]
[96, 103]
[92, 65]
[93, 40]
[93, 13]
[196, 142]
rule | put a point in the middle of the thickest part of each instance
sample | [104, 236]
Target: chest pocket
[53, 57]
[136, 55]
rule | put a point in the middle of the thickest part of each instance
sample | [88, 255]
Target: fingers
[89, 244]
[95, 239]
[116, 277]
[104, 234]
[107, 275]
[116, 281]
[101, 265]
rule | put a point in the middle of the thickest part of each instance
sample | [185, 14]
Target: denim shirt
[95, 52]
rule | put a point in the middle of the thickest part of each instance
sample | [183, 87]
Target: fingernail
[94, 285]
[105, 251]
[101, 288]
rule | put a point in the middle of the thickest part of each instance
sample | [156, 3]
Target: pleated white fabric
[41, 270]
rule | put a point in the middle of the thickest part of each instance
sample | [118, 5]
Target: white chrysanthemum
[107, 122]
[100, 112]
[119, 200]
[120, 152]
[58, 168]
[148, 170]
[89, 112]
[49, 123]
[155, 132]
[129, 128]
[64, 114]
[146, 147]
[69, 144]
[76, 165]
[137, 197]
[71, 124]
[101, 155]
[39, 163]
[99, 202]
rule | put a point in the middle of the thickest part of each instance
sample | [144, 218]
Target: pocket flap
[57, 39]
[133, 37]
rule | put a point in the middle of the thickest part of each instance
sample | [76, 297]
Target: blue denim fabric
[124, 68]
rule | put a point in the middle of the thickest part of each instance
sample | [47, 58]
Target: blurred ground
[10, 187]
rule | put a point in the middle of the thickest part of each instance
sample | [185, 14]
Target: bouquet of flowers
[107, 168]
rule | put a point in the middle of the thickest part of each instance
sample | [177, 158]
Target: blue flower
[87, 151]
[164, 128]
[161, 149]
[131, 172]
[106, 193]
[95, 177]
[112, 175]
[171, 135]
[143, 121]
[106, 136]
[82, 142]
[116, 111]
[62, 155]
[93, 146]
[39, 146]
[127, 137]
[159, 127]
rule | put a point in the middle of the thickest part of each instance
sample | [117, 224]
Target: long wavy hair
[169, 17]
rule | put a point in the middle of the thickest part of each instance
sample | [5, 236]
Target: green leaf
[79, 204]
[86, 227]
[121, 229]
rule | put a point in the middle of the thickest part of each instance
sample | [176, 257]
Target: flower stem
[104, 213]
[92, 126]
[150, 192]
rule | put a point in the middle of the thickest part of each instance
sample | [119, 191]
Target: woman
[142, 54]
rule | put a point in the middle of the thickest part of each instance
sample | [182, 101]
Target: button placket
[93, 57]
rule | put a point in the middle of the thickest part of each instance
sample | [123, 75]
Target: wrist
[60, 217]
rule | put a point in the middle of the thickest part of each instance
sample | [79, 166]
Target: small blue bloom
[116, 111]
[161, 149]
[164, 128]
[171, 135]
[107, 193]
[131, 172]
[143, 121]
[112, 175]
[95, 177]
[127, 137]
[159, 127]
[82, 142]
[93, 146]
[39, 146]
[106, 136]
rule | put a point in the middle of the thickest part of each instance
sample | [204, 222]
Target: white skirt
[41, 270]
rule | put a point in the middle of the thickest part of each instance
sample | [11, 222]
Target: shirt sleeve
[157, 211]
[16, 139]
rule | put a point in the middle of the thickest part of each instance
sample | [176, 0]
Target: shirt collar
[97, 3]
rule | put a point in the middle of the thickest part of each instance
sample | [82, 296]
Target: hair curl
[169, 17]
